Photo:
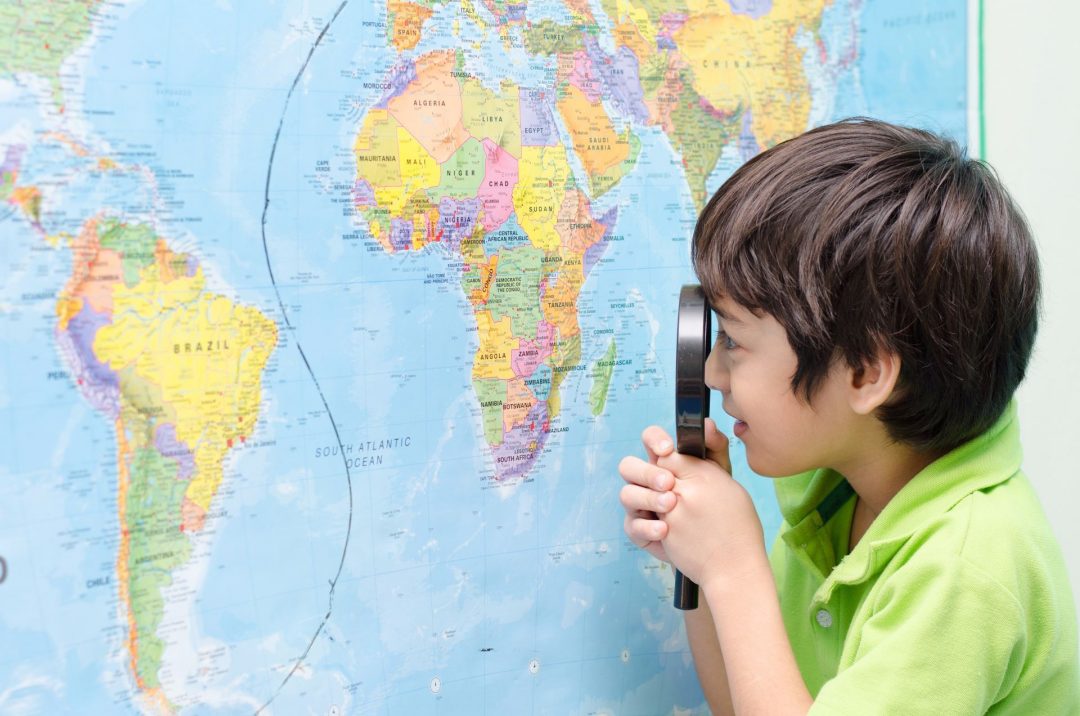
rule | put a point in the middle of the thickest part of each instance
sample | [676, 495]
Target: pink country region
[497, 189]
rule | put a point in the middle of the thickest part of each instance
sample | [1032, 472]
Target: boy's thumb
[716, 445]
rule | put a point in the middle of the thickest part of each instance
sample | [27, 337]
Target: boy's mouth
[740, 428]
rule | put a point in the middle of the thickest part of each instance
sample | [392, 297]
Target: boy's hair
[862, 235]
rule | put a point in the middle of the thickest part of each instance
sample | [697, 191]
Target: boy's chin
[772, 468]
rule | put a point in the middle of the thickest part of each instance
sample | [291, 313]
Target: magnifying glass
[694, 335]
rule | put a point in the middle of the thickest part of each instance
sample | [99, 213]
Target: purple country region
[192, 266]
[664, 42]
[537, 124]
[457, 219]
[170, 446]
[583, 76]
[401, 234]
[594, 252]
[505, 13]
[397, 79]
[522, 445]
[669, 24]
[526, 357]
[713, 112]
[98, 383]
[515, 13]
[12, 158]
[363, 193]
[753, 8]
[748, 143]
[621, 78]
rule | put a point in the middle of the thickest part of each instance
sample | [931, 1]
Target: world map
[325, 324]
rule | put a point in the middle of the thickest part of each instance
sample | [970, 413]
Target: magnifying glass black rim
[691, 392]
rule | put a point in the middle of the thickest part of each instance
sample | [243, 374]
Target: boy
[877, 298]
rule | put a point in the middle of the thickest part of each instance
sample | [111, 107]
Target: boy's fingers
[657, 442]
[636, 498]
[716, 445]
[642, 531]
[638, 472]
[682, 466]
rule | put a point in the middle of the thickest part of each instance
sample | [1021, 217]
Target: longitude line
[303, 356]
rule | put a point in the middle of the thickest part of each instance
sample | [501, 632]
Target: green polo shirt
[955, 601]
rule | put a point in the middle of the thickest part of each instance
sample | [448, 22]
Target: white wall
[1032, 105]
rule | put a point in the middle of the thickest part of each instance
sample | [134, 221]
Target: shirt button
[824, 619]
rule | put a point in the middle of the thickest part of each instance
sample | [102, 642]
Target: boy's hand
[649, 493]
[713, 527]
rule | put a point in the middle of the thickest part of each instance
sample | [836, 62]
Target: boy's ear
[872, 384]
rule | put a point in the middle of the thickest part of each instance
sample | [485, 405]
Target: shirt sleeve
[943, 637]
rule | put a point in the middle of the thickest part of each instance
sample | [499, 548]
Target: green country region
[564, 358]
[134, 242]
[7, 183]
[460, 176]
[488, 115]
[419, 203]
[157, 545]
[492, 394]
[652, 73]
[145, 397]
[550, 38]
[601, 380]
[515, 292]
[700, 138]
[40, 34]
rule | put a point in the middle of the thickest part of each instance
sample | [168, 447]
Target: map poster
[324, 325]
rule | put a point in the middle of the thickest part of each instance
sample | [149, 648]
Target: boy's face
[751, 365]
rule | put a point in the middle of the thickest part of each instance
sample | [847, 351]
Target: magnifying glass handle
[686, 592]
[690, 440]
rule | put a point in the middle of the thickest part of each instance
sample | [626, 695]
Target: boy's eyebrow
[725, 316]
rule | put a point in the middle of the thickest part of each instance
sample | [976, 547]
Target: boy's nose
[716, 371]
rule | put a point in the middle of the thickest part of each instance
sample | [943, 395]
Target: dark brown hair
[861, 234]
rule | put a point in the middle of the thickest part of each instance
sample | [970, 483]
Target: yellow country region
[376, 150]
[628, 35]
[739, 62]
[67, 307]
[543, 176]
[137, 312]
[497, 342]
[419, 170]
[206, 356]
[486, 115]
[640, 17]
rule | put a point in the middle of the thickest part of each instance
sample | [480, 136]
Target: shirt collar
[979, 464]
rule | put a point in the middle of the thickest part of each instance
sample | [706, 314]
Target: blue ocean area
[926, 85]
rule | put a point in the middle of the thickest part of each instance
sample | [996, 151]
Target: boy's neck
[880, 468]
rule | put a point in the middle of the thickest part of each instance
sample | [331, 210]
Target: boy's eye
[724, 340]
